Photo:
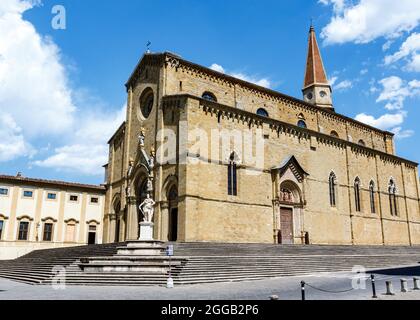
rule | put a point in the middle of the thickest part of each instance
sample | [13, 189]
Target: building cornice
[14, 180]
[280, 125]
[169, 58]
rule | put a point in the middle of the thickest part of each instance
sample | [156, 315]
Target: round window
[146, 103]
[309, 96]
[322, 94]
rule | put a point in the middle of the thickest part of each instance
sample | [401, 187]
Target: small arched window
[209, 96]
[372, 197]
[232, 175]
[334, 134]
[357, 194]
[146, 102]
[362, 143]
[333, 189]
[262, 112]
[301, 124]
[392, 190]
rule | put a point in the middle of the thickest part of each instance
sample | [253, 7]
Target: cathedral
[239, 163]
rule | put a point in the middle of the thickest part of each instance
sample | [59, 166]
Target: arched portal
[172, 197]
[117, 210]
[290, 204]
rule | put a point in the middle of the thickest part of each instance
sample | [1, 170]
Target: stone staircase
[38, 266]
[196, 263]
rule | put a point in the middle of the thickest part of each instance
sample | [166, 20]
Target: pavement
[326, 286]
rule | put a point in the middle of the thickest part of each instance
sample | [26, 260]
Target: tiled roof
[315, 72]
[21, 179]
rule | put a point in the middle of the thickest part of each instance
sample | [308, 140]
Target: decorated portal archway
[288, 202]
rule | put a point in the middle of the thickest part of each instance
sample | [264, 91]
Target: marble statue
[147, 208]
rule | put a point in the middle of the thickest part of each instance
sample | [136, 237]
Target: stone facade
[42, 214]
[290, 193]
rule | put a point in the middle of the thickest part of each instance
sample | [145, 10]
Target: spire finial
[312, 25]
[148, 46]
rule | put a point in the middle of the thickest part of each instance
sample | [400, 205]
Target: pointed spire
[316, 88]
[315, 72]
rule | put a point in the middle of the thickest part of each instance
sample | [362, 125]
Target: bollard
[302, 289]
[404, 285]
[416, 283]
[372, 279]
[389, 289]
[274, 297]
[170, 283]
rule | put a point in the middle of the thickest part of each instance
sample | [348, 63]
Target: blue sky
[58, 87]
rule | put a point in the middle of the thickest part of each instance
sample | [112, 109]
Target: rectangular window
[4, 191]
[28, 194]
[94, 200]
[52, 196]
[23, 231]
[48, 227]
[1, 228]
[74, 198]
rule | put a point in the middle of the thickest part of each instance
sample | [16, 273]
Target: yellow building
[42, 214]
[266, 168]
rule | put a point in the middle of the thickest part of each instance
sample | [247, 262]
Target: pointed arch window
[209, 96]
[334, 134]
[262, 112]
[301, 124]
[372, 197]
[232, 175]
[392, 190]
[357, 194]
[333, 189]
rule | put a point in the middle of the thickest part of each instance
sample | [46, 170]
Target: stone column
[164, 220]
[111, 227]
[132, 219]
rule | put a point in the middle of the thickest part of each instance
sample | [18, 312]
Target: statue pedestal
[146, 231]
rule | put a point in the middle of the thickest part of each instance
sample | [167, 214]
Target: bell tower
[316, 88]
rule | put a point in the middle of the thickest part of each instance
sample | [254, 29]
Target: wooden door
[286, 225]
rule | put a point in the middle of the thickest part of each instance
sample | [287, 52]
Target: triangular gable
[292, 164]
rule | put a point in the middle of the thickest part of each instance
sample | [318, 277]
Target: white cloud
[217, 67]
[385, 122]
[12, 143]
[364, 71]
[390, 122]
[395, 91]
[410, 50]
[85, 159]
[402, 134]
[333, 80]
[88, 151]
[343, 85]
[338, 4]
[38, 104]
[387, 45]
[263, 82]
[367, 20]
[34, 88]
[414, 64]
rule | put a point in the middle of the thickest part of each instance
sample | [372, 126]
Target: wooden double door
[286, 226]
